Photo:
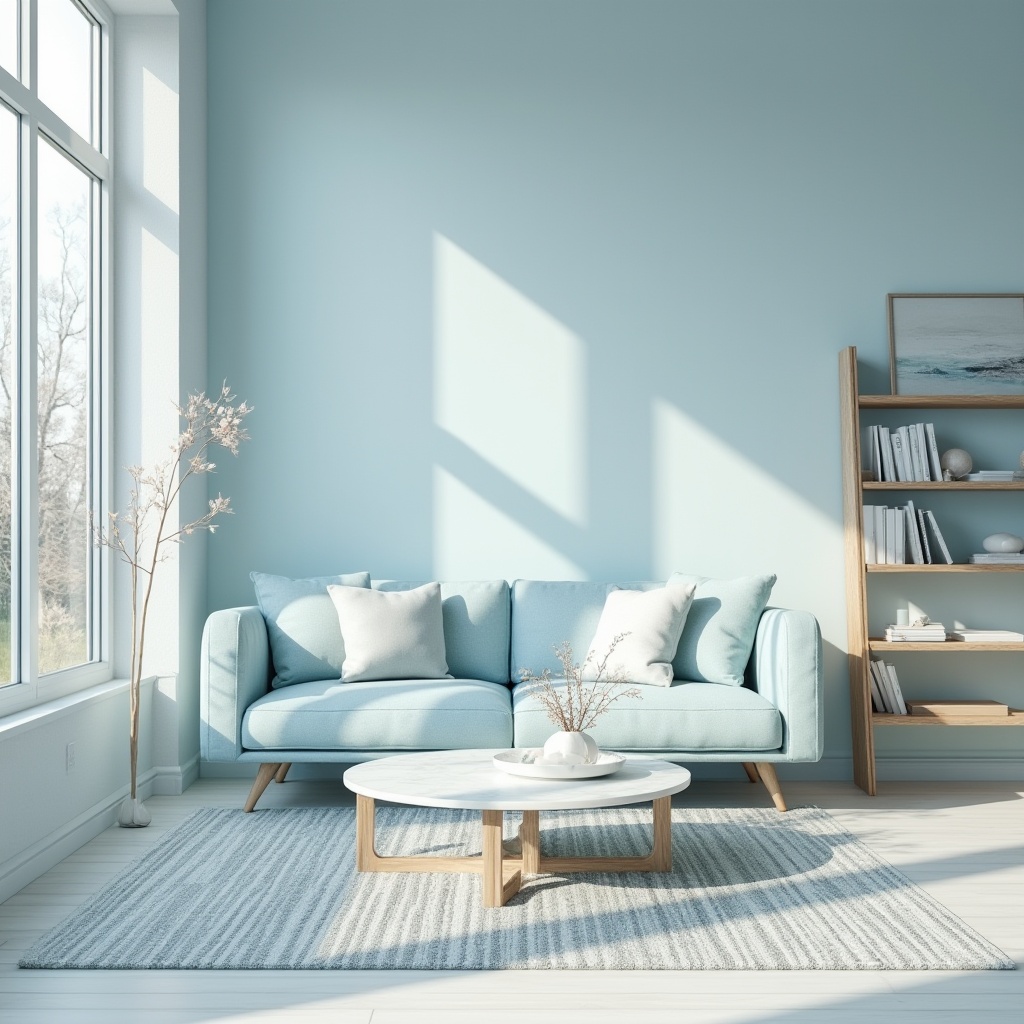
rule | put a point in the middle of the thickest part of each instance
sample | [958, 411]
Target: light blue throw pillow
[302, 625]
[720, 628]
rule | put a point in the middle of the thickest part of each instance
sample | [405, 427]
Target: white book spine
[870, 550]
[875, 453]
[876, 694]
[922, 447]
[880, 533]
[939, 539]
[913, 537]
[933, 451]
[885, 443]
[924, 537]
[898, 457]
[901, 537]
[890, 536]
[901, 705]
[915, 453]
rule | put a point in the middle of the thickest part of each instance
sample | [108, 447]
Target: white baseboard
[62, 842]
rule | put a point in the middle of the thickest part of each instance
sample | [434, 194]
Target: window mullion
[26, 504]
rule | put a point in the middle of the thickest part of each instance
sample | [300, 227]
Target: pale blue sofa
[492, 632]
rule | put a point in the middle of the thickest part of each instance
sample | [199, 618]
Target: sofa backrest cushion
[302, 625]
[475, 616]
[546, 613]
[720, 627]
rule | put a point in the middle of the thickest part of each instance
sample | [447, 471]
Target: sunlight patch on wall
[717, 513]
[509, 381]
[160, 140]
[474, 539]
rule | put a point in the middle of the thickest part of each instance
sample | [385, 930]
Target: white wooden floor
[963, 843]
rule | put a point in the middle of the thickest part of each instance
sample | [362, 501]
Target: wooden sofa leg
[282, 772]
[263, 779]
[748, 767]
[771, 781]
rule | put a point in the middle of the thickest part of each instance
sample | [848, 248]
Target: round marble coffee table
[467, 779]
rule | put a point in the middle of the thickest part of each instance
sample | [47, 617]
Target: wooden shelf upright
[863, 718]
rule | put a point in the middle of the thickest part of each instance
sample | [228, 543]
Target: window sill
[42, 714]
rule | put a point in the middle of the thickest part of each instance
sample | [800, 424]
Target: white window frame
[27, 688]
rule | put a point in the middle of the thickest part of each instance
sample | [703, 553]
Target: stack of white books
[995, 475]
[931, 632]
[987, 636]
[998, 558]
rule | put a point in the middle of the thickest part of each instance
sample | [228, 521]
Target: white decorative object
[531, 763]
[1003, 543]
[956, 463]
[570, 748]
[133, 814]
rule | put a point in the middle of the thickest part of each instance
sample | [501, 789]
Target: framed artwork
[956, 344]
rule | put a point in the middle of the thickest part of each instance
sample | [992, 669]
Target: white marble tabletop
[469, 779]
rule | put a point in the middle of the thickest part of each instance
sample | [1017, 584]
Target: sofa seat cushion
[683, 716]
[393, 714]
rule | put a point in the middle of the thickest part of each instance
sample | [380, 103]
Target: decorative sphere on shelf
[956, 463]
[1003, 543]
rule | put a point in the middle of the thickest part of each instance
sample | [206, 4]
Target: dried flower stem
[580, 703]
[208, 422]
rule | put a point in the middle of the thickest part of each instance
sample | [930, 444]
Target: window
[54, 188]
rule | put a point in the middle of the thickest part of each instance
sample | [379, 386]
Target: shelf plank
[941, 401]
[1015, 717]
[946, 647]
[955, 567]
[944, 485]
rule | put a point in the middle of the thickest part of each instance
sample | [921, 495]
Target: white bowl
[523, 761]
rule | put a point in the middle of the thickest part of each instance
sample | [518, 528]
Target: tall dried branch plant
[143, 534]
[577, 705]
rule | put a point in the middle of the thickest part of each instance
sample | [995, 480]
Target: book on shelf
[888, 685]
[876, 694]
[957, 708]
[884, 686]
[939, 539]
[907, 454]
[934, 632]
[897, 536]
[995, 475]
[901, 706]
[933, 451]
[997, 558]
[986, 636]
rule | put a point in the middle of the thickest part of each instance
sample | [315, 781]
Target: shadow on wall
[524, 456]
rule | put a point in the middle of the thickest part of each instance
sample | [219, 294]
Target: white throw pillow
[391, 634]
[654, 620]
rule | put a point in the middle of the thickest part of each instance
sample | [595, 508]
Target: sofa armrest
[786, 668]
[234, 671]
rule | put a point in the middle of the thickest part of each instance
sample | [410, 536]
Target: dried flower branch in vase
[141, 536]
[588, 692]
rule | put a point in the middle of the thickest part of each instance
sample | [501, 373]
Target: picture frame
[956, 343]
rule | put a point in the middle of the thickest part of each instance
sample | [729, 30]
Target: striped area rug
[751, 889]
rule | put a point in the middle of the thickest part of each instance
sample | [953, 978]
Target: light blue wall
[557, 287]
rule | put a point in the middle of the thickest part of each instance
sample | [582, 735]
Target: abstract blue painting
[957, 344]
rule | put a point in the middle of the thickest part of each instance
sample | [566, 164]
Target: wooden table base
[504, 865]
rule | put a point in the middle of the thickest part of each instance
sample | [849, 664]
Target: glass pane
[9, 326]
[62, 379]
[66, 63]
[9, 36]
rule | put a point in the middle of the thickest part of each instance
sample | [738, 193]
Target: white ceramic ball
[957, 461]
[1003, 543]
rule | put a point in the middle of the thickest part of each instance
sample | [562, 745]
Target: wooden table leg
[529, 836]
[498, 889]
[661, 854]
